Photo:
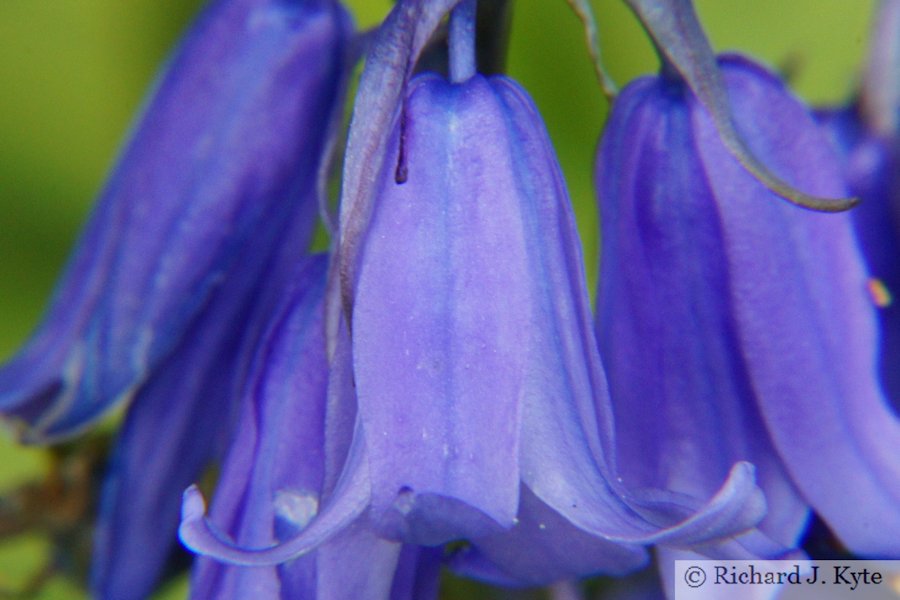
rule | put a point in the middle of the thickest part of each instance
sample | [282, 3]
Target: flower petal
[389, 65]
[351, 498]
[345, 492]
[556, 550]
[184, 415]
[384, 569]
[438, 319]
[343, 501]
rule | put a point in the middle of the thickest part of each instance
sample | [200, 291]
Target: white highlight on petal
[296, 507]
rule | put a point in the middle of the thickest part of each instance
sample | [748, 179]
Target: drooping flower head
[277, 472]
[737, 326]
[214, 198]
[225, 159]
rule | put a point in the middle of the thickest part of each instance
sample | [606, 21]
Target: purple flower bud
[226, 156]
[736, 327]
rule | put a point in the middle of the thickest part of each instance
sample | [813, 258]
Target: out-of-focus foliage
[73, 72]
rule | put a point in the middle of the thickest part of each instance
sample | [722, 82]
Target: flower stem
[582, 9]
[462, 41]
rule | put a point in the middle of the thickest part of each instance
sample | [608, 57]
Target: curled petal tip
[738, 506]
[193, 506]
[200, 535]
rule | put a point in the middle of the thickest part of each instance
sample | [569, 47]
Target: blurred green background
[73, 73]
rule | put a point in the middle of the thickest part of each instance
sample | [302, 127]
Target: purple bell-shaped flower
[278, 471]
[225, 160]
[735, 326]
[214, 198]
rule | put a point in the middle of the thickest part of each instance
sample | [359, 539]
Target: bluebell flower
[481, 406]
[736, 326]
[225, 158]
[193, 411]
[214, 198]
[277, 472]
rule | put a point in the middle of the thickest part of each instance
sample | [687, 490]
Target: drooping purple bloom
[475, 301]
[475, 367]
[445, 341]
[275, 474]
[272, 477]
[736, 326]
[214, 199]
[225, 158]
[193, 410]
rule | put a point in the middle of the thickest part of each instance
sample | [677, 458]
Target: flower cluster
[436, 391]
